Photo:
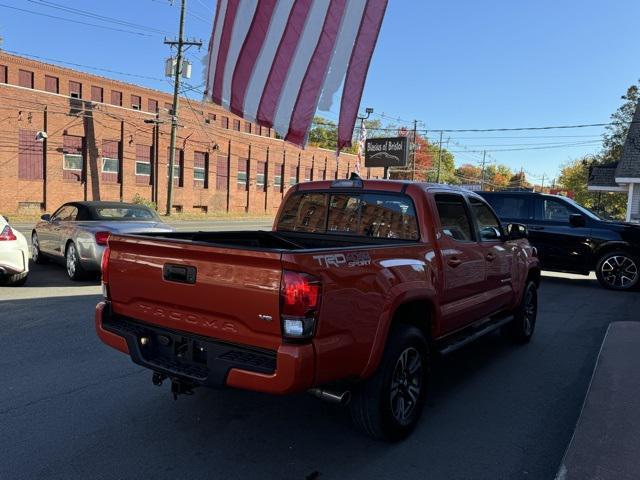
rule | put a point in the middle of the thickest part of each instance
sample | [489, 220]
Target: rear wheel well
[417, 313]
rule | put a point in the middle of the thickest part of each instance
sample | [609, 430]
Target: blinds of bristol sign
[386, 152]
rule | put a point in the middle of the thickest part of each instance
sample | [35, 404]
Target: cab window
[486, 222]
[454, 217]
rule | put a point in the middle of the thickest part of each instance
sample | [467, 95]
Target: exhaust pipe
[339, 398]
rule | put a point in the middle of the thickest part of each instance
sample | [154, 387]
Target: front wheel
[618, 271]
[388, 405]
[74, 268]
[520, 329]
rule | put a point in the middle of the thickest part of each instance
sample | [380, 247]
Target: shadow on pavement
[53, 274]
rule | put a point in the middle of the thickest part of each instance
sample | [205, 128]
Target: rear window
[508, 206]
[373, 215]
[124, 213]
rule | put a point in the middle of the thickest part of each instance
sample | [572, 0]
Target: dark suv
[571, 238]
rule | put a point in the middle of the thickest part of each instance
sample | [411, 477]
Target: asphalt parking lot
[71, 407]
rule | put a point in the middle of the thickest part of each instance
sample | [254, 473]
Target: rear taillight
[102, 237]
[104, 266]
[299, 304]
[7, 234]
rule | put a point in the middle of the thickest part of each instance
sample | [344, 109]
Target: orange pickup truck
[358, 284]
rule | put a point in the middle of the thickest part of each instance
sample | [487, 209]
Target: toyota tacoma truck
[357, 286]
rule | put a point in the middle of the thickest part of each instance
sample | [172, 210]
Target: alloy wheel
[71, 261]
[35, 248]
[406, 385]
[619, 271]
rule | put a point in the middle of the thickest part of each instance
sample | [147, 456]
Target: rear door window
[454, 217]
[510, 206]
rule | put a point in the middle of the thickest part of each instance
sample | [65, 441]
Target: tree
[467, 173]
[323, 134]
[573, 178]
[615, 135]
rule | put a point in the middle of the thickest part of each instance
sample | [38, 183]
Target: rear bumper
[206, 361]
[13, 261]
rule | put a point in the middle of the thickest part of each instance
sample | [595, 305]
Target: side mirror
[577, 220]
[517, 231]
[46, 217]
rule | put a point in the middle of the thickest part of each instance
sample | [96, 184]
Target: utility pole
[439, 159]
[542, 184]
[180, 43]
[484, 156]
[361, 151]
[415, 146]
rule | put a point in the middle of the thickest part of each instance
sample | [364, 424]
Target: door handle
[490, 257]
[536, 228]
[454, 262]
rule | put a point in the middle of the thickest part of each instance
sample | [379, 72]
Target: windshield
[584, 210]
[125, 213]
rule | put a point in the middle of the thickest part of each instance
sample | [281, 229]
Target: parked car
[14, 255]
[76, 233]
[572, 238]
[359, 282]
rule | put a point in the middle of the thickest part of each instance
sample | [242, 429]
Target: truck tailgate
[224, 293]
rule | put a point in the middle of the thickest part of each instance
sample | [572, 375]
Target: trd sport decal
[349, 259]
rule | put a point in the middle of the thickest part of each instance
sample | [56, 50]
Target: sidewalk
[606, 441]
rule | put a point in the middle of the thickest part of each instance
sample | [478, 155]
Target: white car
[14, 255]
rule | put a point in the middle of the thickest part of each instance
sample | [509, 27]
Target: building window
[211, 118]
[224, 122]
[25, 78]
[277, 176]
[4, 73]
[97, 94]
[222, 173]
[241, 181]
[30, 156]
[136, 102]
[143, 164]
[236, 125]
[110, 169]
[168, 107]
[293, 175]
[73, 158]
[116, 98]
[51, 84]
[247, 127]
[308, 174]
[201, 170]
[75, 89]
[72, 161]
[152, 105]
[261, 175]
[110, 165]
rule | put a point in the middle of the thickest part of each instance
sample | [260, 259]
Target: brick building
[109, 140]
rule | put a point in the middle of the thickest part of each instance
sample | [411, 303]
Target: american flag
[274, 62]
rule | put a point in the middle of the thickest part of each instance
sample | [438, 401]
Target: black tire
[521, 328]
[72, 263]
[385, 406]
[36, 254]
[618, 270]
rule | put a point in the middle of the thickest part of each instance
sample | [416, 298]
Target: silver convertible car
[77, 233]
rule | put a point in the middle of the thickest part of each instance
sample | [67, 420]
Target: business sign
[386, 152]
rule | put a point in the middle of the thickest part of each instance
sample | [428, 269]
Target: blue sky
[450, 65]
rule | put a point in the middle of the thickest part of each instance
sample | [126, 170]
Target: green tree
[323, 133]
[615, 135]
[573, 178]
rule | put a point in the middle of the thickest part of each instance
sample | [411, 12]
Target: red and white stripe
[273, 61]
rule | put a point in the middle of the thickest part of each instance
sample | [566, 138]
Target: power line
[95, 16]
[79, 22]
